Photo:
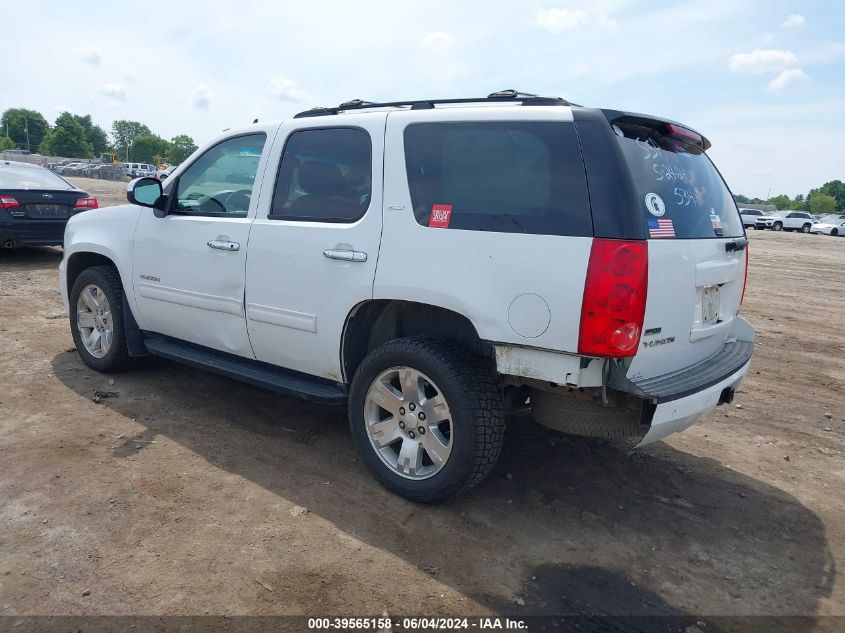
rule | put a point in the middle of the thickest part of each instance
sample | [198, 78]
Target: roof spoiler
[665, 127]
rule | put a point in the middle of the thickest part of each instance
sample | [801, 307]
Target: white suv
[425, 263]
[786, 221]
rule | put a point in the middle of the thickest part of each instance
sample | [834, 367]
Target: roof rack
[502, 96]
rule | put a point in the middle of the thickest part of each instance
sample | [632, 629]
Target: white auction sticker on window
[654, 204]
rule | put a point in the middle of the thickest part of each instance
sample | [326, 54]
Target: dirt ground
[184, 495]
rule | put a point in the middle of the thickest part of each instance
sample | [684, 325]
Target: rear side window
[14, 177]
[680, 192]
[325, 176]
[508, 177]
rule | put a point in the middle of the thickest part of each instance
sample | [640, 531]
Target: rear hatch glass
[682, 194]
[694, 280]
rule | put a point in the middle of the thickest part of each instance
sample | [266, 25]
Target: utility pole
[26, 131]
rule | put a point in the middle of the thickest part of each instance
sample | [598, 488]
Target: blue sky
[764, 80]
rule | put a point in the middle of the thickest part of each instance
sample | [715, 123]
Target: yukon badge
[150, 278]
[659, 341]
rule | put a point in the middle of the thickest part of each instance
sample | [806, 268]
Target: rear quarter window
[508, 177]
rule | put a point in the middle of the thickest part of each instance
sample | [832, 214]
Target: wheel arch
[371, 323]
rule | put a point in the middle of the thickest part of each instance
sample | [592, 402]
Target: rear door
[696, 274]
[314, 244]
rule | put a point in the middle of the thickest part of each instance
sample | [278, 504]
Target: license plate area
[47, 211]
[710, 305]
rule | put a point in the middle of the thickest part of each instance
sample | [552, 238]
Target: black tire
[777, 226]
[467, 383]
[834, 232]
[805, 228]
[106, 279]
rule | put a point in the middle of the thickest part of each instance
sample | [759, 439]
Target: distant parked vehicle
[786, 221]
[140, 170]
[830, 225]
[35, 205]
[749, 216]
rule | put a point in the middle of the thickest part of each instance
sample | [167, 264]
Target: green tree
[94, 134]
[738, 197]
[145, 148]
[21, 124]
[821, 204]
[181, 147]
[67, 138]
[123, 133]
[781, 202]
[6, 143]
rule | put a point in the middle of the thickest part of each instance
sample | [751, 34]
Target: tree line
[829, 198]
[76, 136]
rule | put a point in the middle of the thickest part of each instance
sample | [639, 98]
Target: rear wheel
[834, 232]
[96, 319]
[805, 228]
[426, 417]
[777, 226]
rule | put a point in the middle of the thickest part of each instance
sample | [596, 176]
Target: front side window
[325, 175]
[220, 181]
[506, 177]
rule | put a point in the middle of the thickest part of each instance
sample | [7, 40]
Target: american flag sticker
[660, 227]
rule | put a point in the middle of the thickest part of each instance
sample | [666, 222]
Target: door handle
[346, 256]
[224, 245]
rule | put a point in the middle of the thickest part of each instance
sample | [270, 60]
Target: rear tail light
[7, 202]
[86, 203]
[745, 280]
[614, 298]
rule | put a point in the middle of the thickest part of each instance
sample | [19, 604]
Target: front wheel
[96, 319]
[426, 417]
[834, 232]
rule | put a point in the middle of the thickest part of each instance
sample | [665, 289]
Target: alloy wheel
[94, 321]
[408, 422]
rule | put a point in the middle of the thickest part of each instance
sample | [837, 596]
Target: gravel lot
[185, 494]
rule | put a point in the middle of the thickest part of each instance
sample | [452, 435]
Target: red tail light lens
[614, 299]
[745, 280]
[7, 202]
[86, 203]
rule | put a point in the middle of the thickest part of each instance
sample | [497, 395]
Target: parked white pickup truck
[424, 262]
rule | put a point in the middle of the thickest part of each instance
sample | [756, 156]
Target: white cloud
[114, 91]
[559, 20]
[763, 61]
[91, 56]
[201, 97]
[766, 38]
[787, 78]
[436, 41]
[285, 89]
[794, 20]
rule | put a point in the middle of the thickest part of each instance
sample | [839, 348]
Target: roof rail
[502, 96]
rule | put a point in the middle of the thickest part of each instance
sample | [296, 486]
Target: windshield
[681, 193]
[14, 177]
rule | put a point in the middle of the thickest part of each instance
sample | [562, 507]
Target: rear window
[508, 177]
[13, 177]
[680, 192]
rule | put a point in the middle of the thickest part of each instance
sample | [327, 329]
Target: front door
[315, 240]
[189, 266]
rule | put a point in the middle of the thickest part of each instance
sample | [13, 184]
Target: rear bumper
[681, 413]
[34, 233]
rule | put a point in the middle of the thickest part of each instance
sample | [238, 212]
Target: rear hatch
[697, 247]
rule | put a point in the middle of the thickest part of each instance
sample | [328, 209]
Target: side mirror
[146, 192]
